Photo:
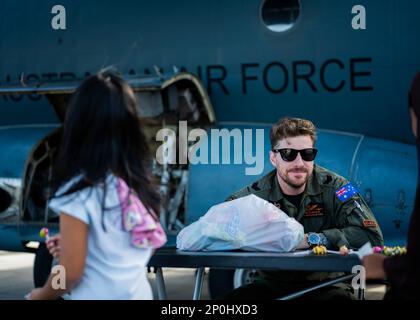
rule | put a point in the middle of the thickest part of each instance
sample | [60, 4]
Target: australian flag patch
[346, 192]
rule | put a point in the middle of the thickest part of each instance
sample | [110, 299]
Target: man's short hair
[291, 127]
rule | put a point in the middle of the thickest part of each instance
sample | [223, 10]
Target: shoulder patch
[370, 224]
[346, 192]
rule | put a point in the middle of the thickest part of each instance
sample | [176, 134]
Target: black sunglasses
[291, 154]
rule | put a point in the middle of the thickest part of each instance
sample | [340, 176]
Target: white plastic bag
[248, 223]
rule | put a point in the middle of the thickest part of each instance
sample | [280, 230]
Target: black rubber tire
[42, 265]
[220, 282]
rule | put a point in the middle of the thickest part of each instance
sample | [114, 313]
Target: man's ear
[273, 159]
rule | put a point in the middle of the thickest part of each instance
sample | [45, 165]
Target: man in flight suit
[327, 206]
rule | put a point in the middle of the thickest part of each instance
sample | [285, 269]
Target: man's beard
[292, 184]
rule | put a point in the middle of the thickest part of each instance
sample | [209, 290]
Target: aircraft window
[280, 15]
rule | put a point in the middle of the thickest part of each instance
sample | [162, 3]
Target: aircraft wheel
[42, 265]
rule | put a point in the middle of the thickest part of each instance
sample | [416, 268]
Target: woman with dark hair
[103, 151]
[403, 272]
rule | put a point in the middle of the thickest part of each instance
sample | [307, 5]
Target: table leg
[361, 294]
[318, 286]
[160, 283]
[198, 284]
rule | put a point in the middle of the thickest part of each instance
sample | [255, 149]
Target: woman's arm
[73, 250]
[374, 265]
[53, 245]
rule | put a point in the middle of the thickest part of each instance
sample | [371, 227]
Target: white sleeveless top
[113, 269]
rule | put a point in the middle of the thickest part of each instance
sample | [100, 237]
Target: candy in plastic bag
[248, 223]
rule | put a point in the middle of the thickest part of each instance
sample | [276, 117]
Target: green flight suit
[349, 223]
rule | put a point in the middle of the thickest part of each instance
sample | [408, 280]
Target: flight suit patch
[369, 224]
[314, 210]
[346, 192]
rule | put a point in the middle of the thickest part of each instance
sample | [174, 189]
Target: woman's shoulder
[110, 182]
[67, 185]
[83, 201]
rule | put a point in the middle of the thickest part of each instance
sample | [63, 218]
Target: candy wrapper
[319, 250]
[391, 251]
[44, 233]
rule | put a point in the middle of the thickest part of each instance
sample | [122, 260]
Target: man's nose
[299, 160]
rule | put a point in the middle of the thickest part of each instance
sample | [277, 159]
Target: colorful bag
[248, 223]
[146, 231]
